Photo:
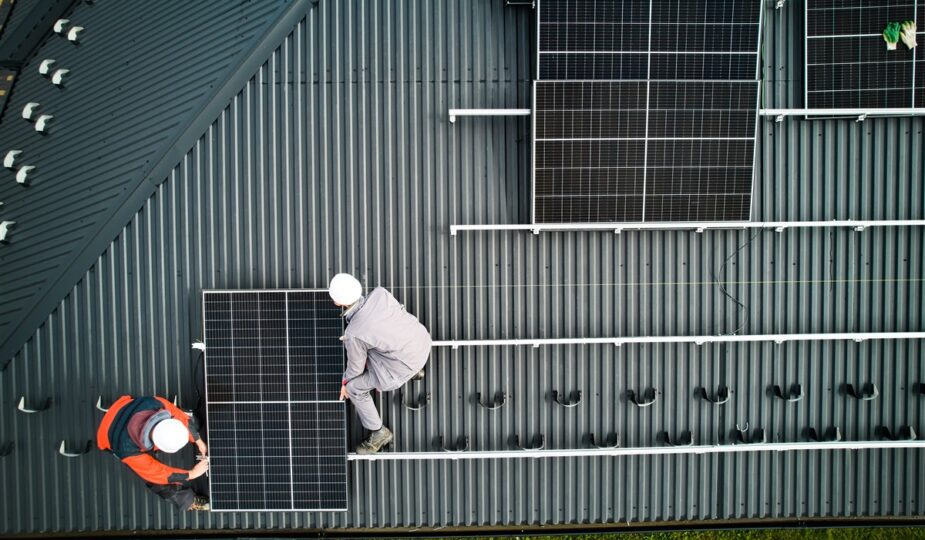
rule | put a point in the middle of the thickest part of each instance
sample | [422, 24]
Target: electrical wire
[722, 287]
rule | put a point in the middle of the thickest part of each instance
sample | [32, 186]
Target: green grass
[872, 533]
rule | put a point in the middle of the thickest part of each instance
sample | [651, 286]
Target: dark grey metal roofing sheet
[338, 156]
[143, 75]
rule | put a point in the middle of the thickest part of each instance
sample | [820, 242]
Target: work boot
[419, 376]
[200, 503]
[376, 441]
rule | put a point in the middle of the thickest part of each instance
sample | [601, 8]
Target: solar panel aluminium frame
[758, 81]
[205, 364]
[872, 110]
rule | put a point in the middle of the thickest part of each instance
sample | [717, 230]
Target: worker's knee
[357, 390]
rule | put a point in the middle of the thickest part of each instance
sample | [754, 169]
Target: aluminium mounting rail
[695, 340]
[638, 451]
[617, 228]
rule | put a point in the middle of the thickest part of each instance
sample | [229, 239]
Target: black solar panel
[277, 434]
[657, 39]
[847, 62]
[630, 151]
[645, 110]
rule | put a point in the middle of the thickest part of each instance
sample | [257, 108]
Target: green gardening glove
[891, 35]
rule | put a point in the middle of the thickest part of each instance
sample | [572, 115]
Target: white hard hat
[170, 435]
[345, 289]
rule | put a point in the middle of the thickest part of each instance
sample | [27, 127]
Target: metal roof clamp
[99, 404]
[795, 394]
[649, 397]
[721, 398]
[686, 439]
[423, 400]
[741, 435]
[610, 441]
[869, 391]
[537, 442]
[461, 445]
[496, 402]
[905, 433]
[23, 407]
[6, 449]
[833, 434]
[571, 400]
[62, 449]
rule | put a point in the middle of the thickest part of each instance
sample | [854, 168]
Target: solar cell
[847, 63]
[277, 434]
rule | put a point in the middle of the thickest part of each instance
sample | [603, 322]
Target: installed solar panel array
[276, 430]
[847, 63]
[645, 110]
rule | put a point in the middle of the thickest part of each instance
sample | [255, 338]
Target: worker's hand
[199, 470]
[203, 449]
[343, 393]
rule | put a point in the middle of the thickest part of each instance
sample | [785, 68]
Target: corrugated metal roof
[127, 102]
[338, 156]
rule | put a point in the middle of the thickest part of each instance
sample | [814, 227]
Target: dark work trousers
[181, 495]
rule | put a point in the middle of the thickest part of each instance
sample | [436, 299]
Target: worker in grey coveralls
[386, 347]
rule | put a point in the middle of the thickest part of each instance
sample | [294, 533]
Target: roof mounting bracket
[461, 445]
[795, 394]
[6, 449]
[831, 434]
[62, 449]
[537, 442]
[721, 398]
[686, 439]
[905, 433]
[22, 407]
[741, 436]
[649, 396]
[571, 400]
[496, 402]
[99, 404]
[861, 117]
[423, 400]
[610, 441]
[869, 391]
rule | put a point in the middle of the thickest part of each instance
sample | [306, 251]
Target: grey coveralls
[386, 346]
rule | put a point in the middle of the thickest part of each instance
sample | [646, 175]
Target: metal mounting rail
[696, 340]
[486, 112]
[617, 228]
[860, 114]
[641, 451]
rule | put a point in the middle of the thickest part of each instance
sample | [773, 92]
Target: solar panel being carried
[277, 432]
[848, 64]
[645, 111]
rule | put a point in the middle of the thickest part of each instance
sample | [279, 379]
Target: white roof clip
[60, 25]
[29, 110]
[41, 125]
[57, 78]
[199, 346]
[22, 175]
[73, 34]
[5, 230]
[10, 159]
[46, 65]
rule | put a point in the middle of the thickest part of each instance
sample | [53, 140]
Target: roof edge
[88, 254]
